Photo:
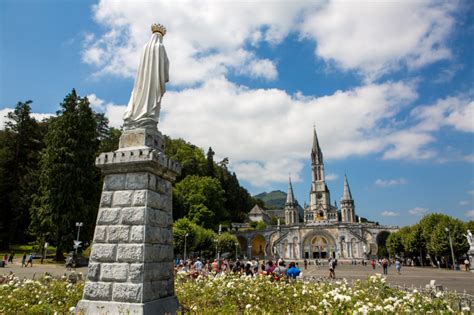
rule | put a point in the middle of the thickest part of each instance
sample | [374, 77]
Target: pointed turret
[347, 204]
[291, 214]
[347, 191]
[290, 197]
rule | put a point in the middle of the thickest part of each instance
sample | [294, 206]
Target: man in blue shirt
[293, 271]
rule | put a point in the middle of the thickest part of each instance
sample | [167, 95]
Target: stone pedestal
[131, 262]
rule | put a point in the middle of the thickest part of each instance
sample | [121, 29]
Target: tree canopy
[430, 236]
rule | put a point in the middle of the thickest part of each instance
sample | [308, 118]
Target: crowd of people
[25, 260]
[277, 270]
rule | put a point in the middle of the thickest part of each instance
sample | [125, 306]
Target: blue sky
[389, 86]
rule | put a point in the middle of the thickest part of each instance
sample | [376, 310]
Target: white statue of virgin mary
[143, 109]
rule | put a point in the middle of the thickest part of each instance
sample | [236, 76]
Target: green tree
[238, 200]
[197, 194]
[394, 244]
[181, 227]
[69, 185]
[20, 145]
[201, 215]
[190, 157]
[211, 167]
[226, 242]
[205, 242]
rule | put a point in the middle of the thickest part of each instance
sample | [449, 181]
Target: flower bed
[245, 295]
[232, 294]
[43, 296]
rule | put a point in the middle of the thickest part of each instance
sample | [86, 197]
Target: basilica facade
[323, 230]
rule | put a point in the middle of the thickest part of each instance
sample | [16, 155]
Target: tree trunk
[59, 253]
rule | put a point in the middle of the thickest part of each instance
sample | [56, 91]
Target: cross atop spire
[290, 197]
[347, 191]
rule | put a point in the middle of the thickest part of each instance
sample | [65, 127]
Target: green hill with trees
[273, 200]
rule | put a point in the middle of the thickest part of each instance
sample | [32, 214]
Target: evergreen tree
[211, 171]
[69, 186]
[20, 144]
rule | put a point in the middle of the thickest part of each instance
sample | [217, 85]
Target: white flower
[248, 306]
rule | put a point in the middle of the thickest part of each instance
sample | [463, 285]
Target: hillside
[273, 200]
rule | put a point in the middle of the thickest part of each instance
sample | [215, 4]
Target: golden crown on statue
[158, 28]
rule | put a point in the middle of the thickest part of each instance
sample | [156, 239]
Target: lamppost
[236, 246]
[78, 243]
[250, 252]
[185, 237]
[216, 241]
[451, 244]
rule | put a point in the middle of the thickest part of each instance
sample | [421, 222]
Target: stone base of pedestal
[169, 305]
[131, 261]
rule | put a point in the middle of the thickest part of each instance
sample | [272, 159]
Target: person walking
[385, 265]
[30, 261]
[10, 258]
[467, 264]
[23, 261]
[305, 264]
[332, 267]
[373, 264]
[398, 265]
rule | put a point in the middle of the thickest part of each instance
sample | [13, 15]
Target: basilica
[322, 230]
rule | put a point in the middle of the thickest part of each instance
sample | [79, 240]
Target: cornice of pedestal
[138, 160]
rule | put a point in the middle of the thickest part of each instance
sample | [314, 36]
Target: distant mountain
[276, 200]
[273, 200]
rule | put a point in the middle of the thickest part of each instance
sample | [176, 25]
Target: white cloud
[469, 214]
[378, 37]
[332, 176]
[390, 213]
[266, 133]
[390, 182]
[464, 203]
[3, 116]
[4, 112]
[204, 40]
[112, 111]
[471, 192]
[209, 39]
[418, 211]
[455, 111]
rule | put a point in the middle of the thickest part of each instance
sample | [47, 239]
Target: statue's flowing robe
[153, 72]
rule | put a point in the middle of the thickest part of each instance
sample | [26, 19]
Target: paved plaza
[459, 281]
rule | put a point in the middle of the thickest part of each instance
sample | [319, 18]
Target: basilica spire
[316, 153]
[347, 191]
[290, 197]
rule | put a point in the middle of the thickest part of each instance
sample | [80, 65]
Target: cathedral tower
[347, 204]
[319, 196]
[291, 211]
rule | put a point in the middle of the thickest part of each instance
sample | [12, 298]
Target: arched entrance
[242, 245]
[258, 246]
[381, 239]
[319, 246]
